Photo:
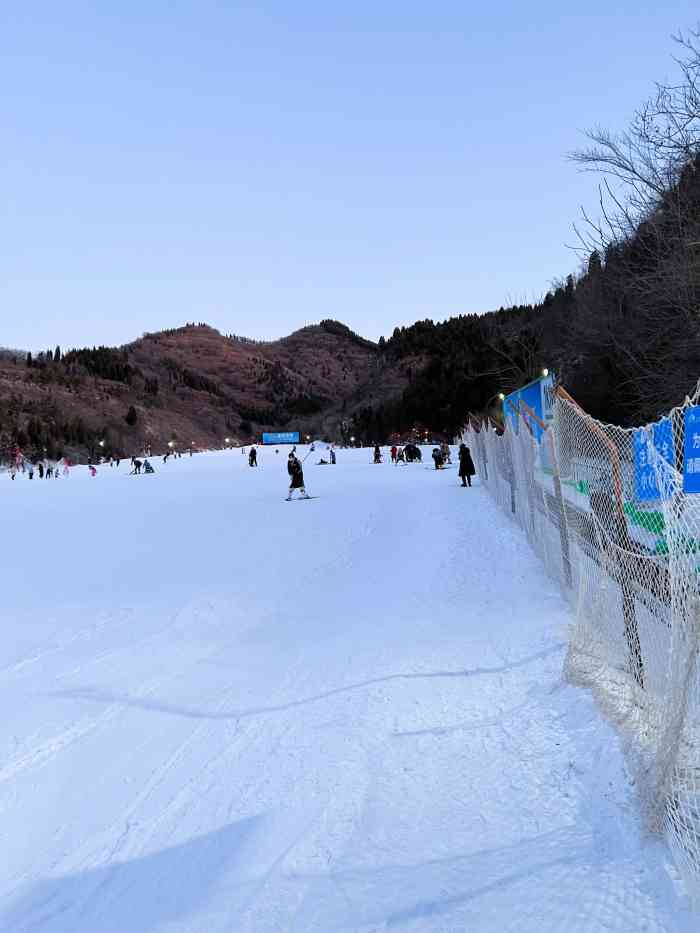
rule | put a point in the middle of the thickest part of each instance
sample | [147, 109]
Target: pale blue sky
[260, 166]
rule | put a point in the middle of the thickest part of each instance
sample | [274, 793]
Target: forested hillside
[623, 334]
[191, 386]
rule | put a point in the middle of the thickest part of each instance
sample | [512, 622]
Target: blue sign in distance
[281, 437]
[691, 450]
[646, 485]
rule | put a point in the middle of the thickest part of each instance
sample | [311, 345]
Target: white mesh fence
[605, 509]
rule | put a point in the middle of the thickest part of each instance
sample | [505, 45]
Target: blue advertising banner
[691, 450]
[646, 486]
[281, 437]
[538, 396]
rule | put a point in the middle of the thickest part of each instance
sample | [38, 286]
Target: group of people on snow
[442, 457]
[137, 465]
[409, 453]
[43, 469]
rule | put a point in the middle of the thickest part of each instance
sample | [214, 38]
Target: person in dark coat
[377, 454]
[466, 465]
[437, 458]
[296, 473]
[253, 457]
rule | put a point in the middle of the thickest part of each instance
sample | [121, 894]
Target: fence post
[511, 465]
[558, 495]
[621, 541]
[482, 447]
[528, 480]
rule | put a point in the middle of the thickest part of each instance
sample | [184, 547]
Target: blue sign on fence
[646, 484]
[691, 450]
[281, 437]
[538, 396]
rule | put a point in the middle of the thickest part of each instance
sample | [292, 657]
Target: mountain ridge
[192, 386]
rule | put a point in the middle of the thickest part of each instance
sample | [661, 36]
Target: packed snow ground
[226, 712]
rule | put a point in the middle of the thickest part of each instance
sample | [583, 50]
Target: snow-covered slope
[226, 712]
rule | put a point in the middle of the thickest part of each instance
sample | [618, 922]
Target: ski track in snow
[235, 716]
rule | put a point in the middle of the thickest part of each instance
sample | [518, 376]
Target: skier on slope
[437, 458]
[466, 465]
[296, 473]
[253, 457]
[377, 454]
[393, 454]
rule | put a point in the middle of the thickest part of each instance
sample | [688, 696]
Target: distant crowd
[408, 453]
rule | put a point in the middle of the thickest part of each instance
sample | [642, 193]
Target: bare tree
[638, 317]
[644, 164]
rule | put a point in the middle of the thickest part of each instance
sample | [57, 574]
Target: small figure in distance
[466, 465]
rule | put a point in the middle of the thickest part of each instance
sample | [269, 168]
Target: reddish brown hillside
[194, 385]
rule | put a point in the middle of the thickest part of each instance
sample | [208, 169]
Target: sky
[261, 166]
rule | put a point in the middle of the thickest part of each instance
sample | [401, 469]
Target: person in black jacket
[296, 473]
[466, 465]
